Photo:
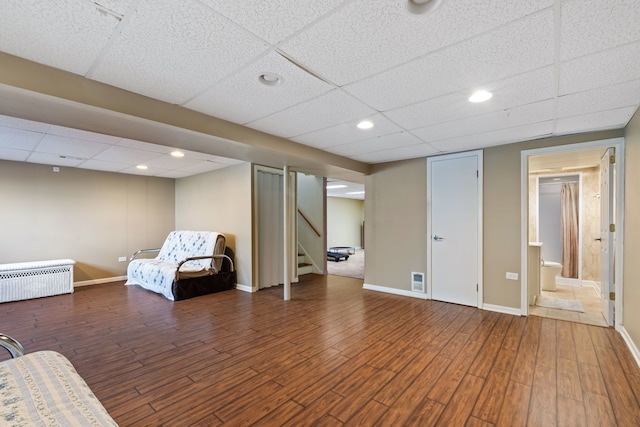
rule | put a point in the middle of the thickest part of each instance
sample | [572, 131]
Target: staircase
[304, 267]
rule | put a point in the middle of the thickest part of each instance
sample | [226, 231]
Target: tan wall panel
[220, 201]
[395, 223]
[90, 216]
[631, 301]
[344, 221]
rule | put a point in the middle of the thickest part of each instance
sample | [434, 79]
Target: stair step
[304, 268]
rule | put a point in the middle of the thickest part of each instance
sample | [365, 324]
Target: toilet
[550, 270]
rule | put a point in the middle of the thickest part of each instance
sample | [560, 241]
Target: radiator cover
[35, 279]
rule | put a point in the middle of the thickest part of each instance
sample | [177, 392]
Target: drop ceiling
[554, 68]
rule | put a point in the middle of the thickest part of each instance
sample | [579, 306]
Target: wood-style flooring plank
[491, 396]
[515, 407]
[571, 413]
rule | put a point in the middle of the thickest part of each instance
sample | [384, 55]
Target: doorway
[572, 277]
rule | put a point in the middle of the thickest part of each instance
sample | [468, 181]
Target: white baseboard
[394, 291]
[502, 309]
[98, 281]
[632, 346]
[244, 288]
[568, 281]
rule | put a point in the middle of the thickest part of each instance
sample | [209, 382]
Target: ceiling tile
[12, 154]
[19, 139]
[174, 174]
[16, 123]
[169, 162]
[53, 159]
[410, 152]
[241, 98]
[385, 142]
[601, 69]
[201, 46]
[103, 166]
[369, 36]
[612, 119]
[348, 132]
[592, 26]
[508, 93]
[146, 172]
[63, 146]
[117, 6]
[327, 110]
[212, 158]
[510, 50]
[497, 137]
[125, 155]
[513, 117]
[601, 99]
[63, 34]
[273, 20]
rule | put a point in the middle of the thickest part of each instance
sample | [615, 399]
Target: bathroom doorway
[563, 234]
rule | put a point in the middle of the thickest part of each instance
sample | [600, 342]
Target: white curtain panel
[270, 229]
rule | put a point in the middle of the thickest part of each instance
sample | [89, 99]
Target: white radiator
[26, 280]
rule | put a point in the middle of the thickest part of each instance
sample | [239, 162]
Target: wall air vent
[417, 282]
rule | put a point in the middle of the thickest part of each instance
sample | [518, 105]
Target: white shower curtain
[570, 208]
[270, 228]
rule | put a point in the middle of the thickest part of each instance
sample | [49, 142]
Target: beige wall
[631, 297]
[396, 240]
[220, 201]
[89, 216]
[344, 221]
[395, 223]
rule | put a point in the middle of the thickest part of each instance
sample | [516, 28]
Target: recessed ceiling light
[356, 192]
[177, 153]
[420, 7]
[365, 124]
[142, 167]
[480, 96]
[270, 79]
[333, 187]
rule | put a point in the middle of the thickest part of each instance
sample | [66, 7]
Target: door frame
[293, 230]
[479, 155]
[619, 145]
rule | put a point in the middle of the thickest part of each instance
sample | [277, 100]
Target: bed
[189, 264]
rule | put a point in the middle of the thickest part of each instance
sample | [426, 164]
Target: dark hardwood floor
[335, 355]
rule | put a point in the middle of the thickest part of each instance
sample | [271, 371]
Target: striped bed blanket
[44, 389]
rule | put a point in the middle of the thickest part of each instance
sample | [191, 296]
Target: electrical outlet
[512, 276]
[122, 259]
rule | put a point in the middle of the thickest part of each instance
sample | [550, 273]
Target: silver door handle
[437, 238]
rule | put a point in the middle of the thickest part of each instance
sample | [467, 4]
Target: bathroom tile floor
[585, 294]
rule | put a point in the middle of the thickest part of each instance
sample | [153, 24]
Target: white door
[270, 227]
[606, 235]
[454, 212]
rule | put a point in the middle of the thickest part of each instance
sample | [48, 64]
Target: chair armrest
[143, 251]
[193, 258]
[11, 345]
